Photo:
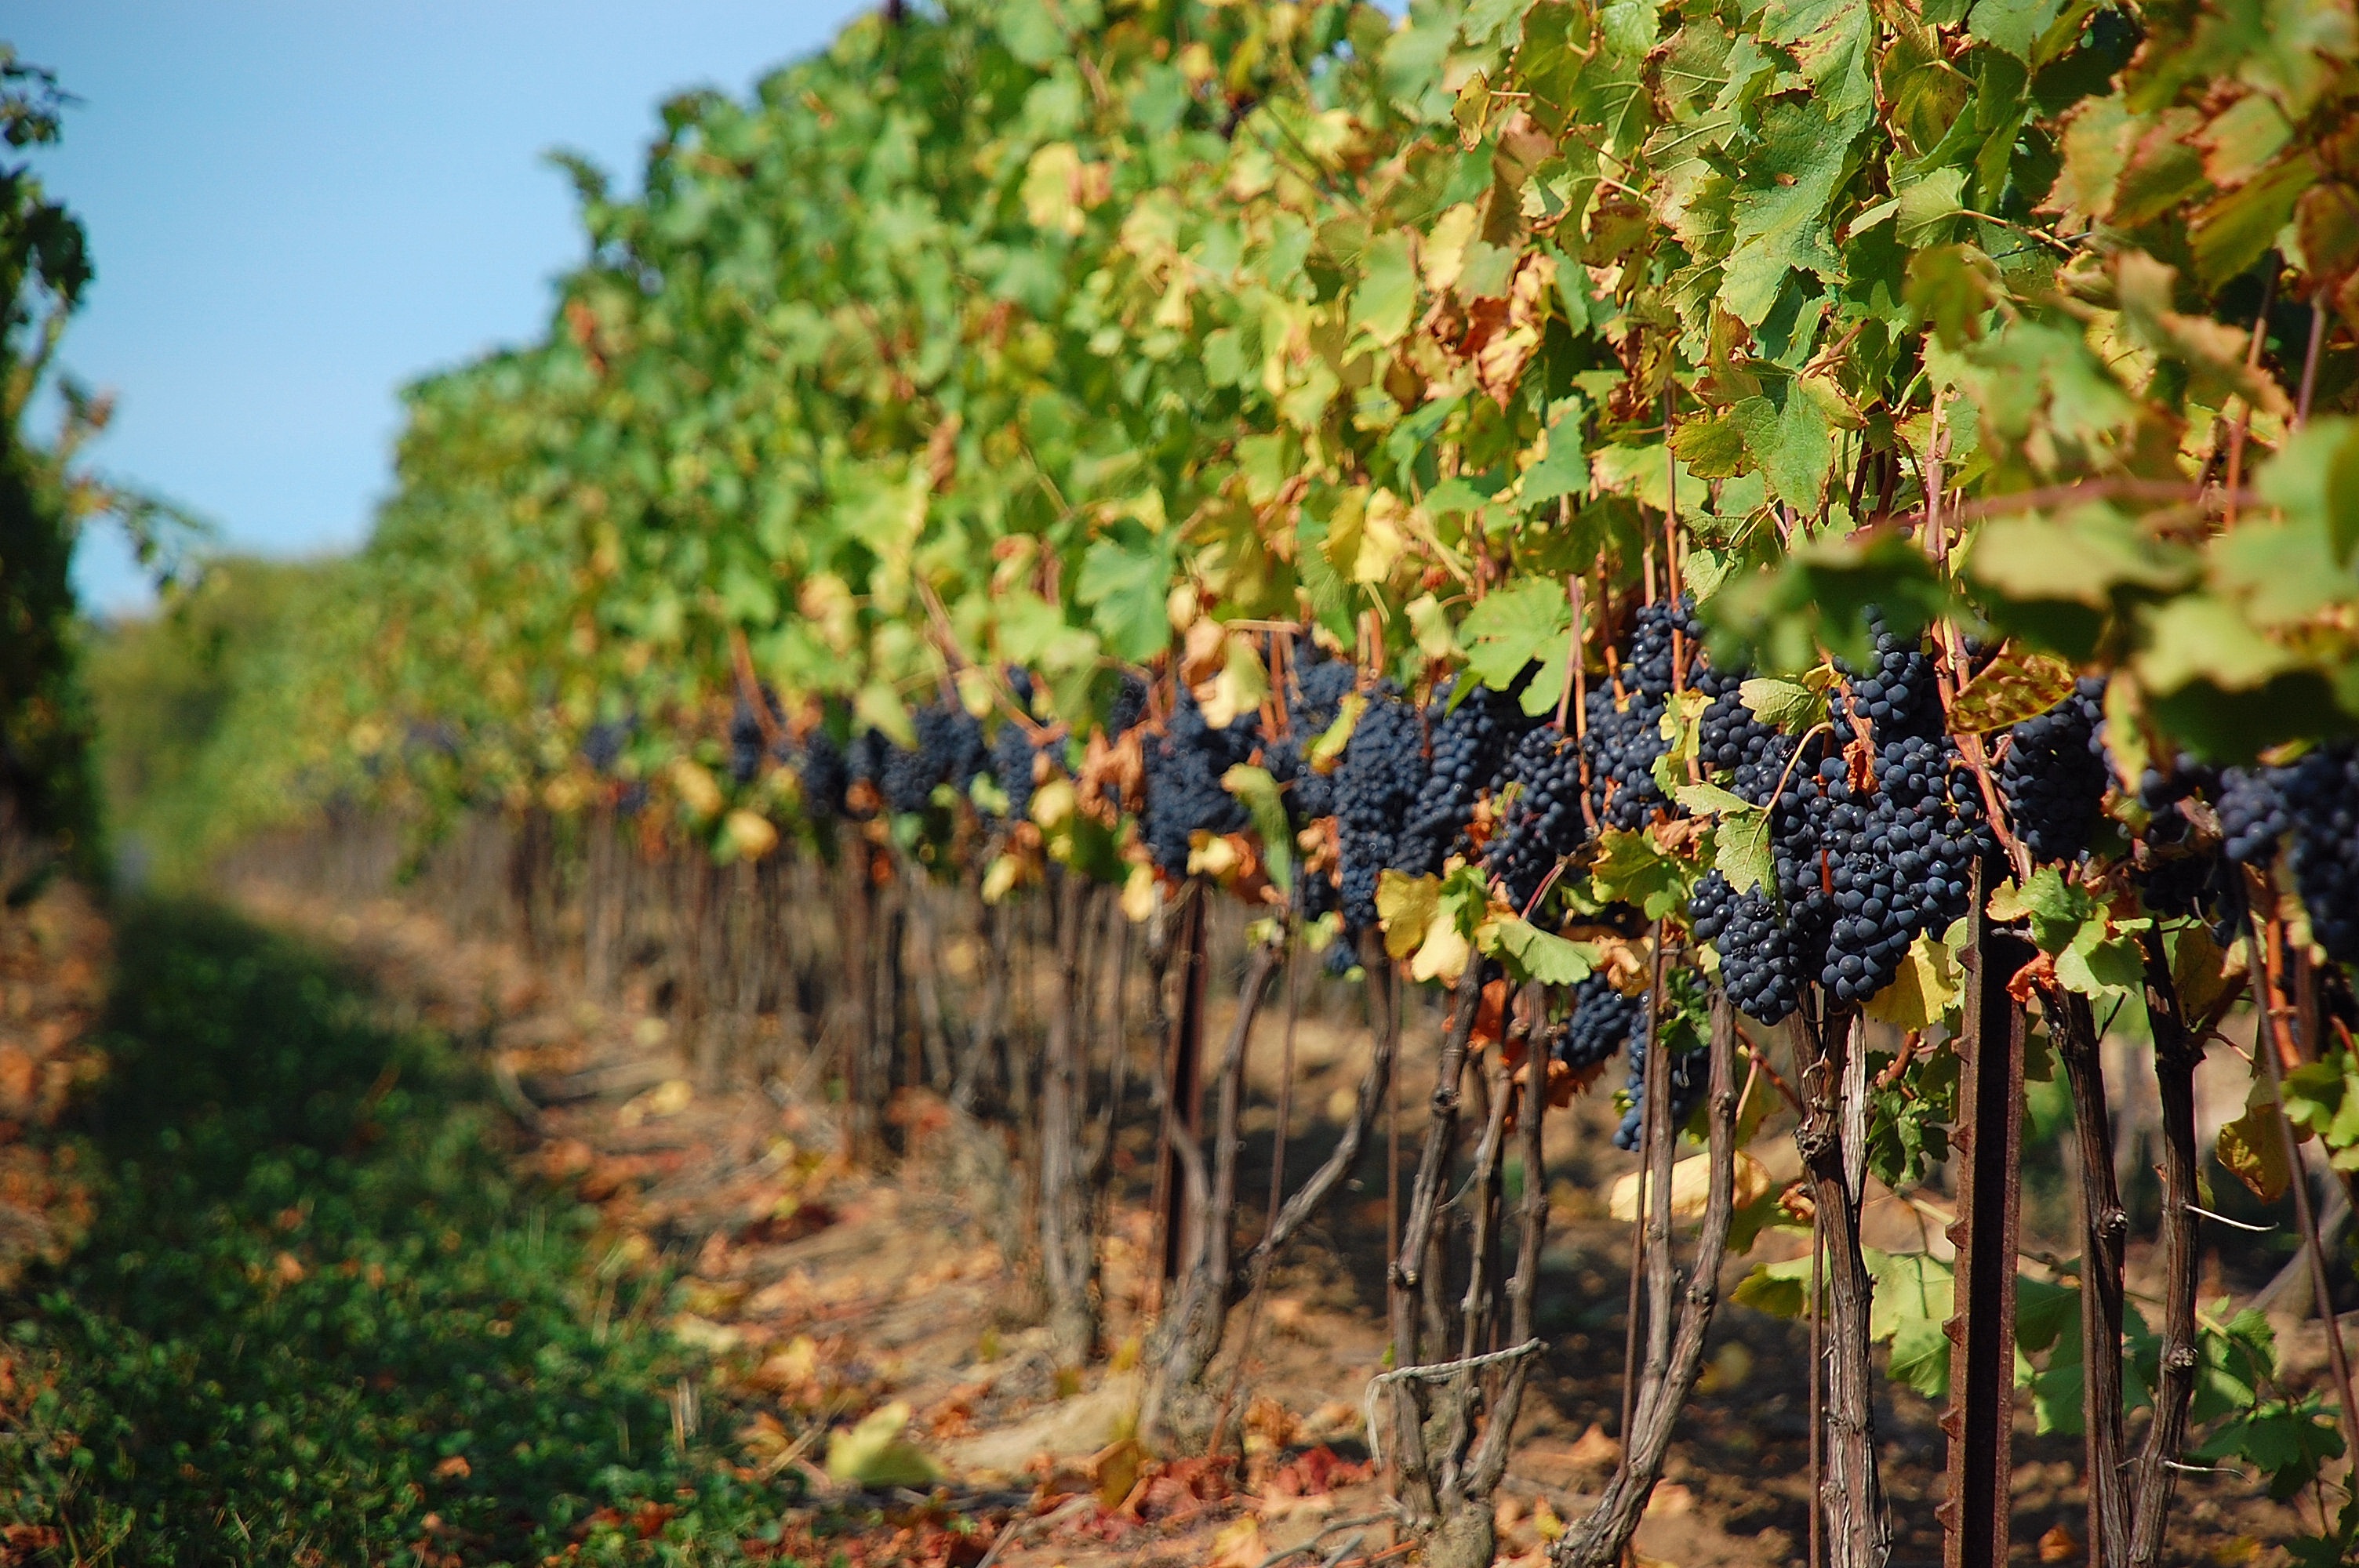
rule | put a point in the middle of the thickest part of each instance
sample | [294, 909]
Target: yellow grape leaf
[874, 1454]
[1138, 894]
[1443, 953]
[1327, 751]
[1240, 686]
[2198, 969]
[750, 835]
[1690, 1186]
[2253, 1147]
[1429, 623]
[695, 789]
[1921, 992]
[1406, 905]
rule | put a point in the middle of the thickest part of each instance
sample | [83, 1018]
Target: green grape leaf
[1125, 587]
[1258, 791]
[2314, 479]
[1785, 705]
[1522, 624]
[1385, 300]
[1780, 1290]
[1634, 868]
[1532, 953]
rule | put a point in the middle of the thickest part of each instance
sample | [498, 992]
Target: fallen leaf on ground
[875, 1453]
[1594, 1450]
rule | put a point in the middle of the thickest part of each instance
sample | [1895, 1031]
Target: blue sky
[296, 208]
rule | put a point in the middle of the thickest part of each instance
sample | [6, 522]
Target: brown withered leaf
[2016, 686]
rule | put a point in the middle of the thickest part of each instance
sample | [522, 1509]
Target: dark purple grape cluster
[1899, 853]
[1862, 868]
[1626, 717]
[601, 746]
[1184, 796]
[951, 750]
[1542, 822]
[1012, 751]
[2174, 878]
[2255, 813]
[1470, 746]
[1599, 1025]
[1314, 697]
[1011, 767]
[1757, 958]
[747, 751]
[1730, 739]
[1128, 707]
[2054, 774]
[2321, 796]
[1900, 858]
[1893, 697]
[820, 767]
[1689, 1079]
[1376, 787]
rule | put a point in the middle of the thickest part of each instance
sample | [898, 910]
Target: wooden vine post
[1183, 1082]
[1989, 1143]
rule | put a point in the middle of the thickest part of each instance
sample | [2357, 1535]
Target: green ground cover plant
[319, 1322]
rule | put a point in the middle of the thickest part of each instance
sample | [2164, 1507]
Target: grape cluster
[1315, 696]
[601, 747]
[2321, 796]
[2254, 814]
[1471, 747]
[1599, 1025]
[1011, 768]
[2173, 879]
[824, 774]
[1012, 751]
[1376, 785]
[747, 749]
[1129, 706]
[1688, 1079]
[1729, 737]
[951, 750]
[1900, 858]
[1893, 697]
[1758, 968]
[1184, 796]
[1865, 862]
[1626, 719]
[866, 763]
[1543, 821]
[2053, 776]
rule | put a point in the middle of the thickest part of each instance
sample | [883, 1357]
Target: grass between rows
[318, 1321]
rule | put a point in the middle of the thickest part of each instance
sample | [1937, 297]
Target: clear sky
[296, 207]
